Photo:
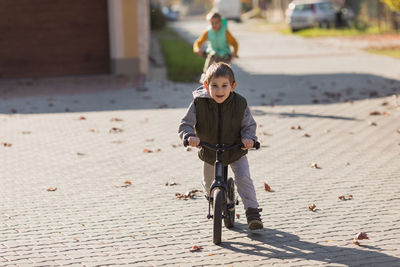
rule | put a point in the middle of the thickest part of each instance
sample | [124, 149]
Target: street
[84, 175]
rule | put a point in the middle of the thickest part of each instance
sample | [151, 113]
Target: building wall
[129, 28]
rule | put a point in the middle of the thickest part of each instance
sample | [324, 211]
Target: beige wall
[129, 36]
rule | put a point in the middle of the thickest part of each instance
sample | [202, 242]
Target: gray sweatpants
[243, 181]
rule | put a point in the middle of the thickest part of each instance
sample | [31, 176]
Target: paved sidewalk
[87, 145]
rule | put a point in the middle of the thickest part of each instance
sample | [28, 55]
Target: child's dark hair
[219, 69]
[213, 15]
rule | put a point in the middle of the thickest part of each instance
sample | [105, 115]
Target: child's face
[219, 88]
[215, 24]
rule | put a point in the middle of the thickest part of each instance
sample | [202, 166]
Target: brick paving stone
[94, 219]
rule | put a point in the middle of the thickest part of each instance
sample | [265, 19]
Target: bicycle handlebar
[221, 147]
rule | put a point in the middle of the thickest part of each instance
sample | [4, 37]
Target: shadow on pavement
[258, 112]
[282, 245]
[109, 93]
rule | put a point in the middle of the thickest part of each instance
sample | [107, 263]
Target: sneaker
[254, 218]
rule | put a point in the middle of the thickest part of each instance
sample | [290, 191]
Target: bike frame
[220, 180]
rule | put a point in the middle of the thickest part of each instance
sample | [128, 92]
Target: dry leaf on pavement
[195, 248]
[312, 207]
[375, 113]
[314, 165]
[82, 118]
[116, 119]
[170, 183]
[52, 189]
[346, 197]
[6, 144]
[267, 187]
[296, 127]
[116, 130]
[360, 236]
[188, 195]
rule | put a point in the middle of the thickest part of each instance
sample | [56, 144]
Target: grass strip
[386, 51]
[182, 64]
[318, 32]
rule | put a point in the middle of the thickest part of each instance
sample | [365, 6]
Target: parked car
[229, 9]
[302, 14]
[170, 13]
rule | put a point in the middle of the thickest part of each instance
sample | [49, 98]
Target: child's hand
[248, 143]
[194, 141]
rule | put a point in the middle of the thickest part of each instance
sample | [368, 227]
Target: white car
[229, 9]
[302, 14]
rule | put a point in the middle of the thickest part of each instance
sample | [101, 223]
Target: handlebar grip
[185, 143]
[256, 145]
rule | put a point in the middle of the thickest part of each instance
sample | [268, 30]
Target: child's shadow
[283, 245]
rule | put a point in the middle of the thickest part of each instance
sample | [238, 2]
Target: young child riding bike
[218, 115]
[219, 40]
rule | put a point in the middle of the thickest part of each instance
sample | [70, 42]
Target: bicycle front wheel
[229, 218]
[217, 216]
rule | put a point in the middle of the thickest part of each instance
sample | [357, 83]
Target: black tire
[217, 216]
[229, 219]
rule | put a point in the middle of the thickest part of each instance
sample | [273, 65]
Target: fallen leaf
[346, 197]
[267, 187]
[146, 150]
[170, 184]
[116, 119]
[384, 103]
[94, 131]
[82, 118]
[80, 154]
[361, 236]
[266, 133]
[314, 165]
[6, 144]
[195, 248]
[189, 195]
[189, 149]
[312, 207]
[371, 123]
[375, 113]
[116, 130]
[128, 182]
[347, 164]
[306, 135]
[52, 189]
[296, 127]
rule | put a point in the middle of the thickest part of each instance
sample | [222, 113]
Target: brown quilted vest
[220, 124]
